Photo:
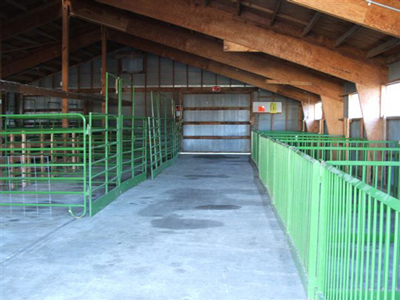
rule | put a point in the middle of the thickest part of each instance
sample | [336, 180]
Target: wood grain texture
[359, 12]
[187, 41]
[221, 25]
[333, 113]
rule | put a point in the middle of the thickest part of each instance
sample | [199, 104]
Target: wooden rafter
[348, 34]
[209, 65]
[394, 42]
[49, 53]
[311, 24]
[7, 86]
[233, 47]
[254, 6]
[276, 11]
[238, 7]
[18, 5]
[35, 19]
[65, 60]
[282, 46]
[359, 12]
[186, 41]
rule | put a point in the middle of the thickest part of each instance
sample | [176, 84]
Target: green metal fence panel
[83, 167]
[164, 135]
[343, 225]
[43, 164]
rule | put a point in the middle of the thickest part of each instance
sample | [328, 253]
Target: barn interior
[199, 149]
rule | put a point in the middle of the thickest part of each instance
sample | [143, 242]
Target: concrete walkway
[201, 230]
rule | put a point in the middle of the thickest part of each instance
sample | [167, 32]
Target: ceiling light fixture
[382, 5]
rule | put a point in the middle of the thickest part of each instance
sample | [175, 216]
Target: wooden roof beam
[26, 40]
[8, 86]
[311, 24]
[394, 42]
[358, 11]
[233, 47]
[291, 82]
[18, 5]
[276, 11]
[199, 45]
[35, 19]
[348, 34]
[249, 4]
[49, 53]
[238, 7]
[45, 34]
[209, 65]
[292, 49]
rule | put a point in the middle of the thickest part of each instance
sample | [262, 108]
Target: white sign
[267, 107]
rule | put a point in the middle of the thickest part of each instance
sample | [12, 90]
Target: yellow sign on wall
[273, 108]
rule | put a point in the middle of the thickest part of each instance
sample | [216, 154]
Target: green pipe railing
[164, 136]
[344, 232]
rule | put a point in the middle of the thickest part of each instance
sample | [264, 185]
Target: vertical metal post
[314, 230]
[65, 58]
[90, 149]
[159, 127]
[133, 136]
[120, 138]
[165, 131]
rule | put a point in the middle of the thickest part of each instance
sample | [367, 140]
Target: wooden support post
[251, 111]
[362, 129]
[201, 79]
[1, 101]
[103, 67]
[187, 75]
[300, 117]
[370, 101]
[333, 112]
[309, 123]
[159, 72]
[65, 58]
[145, 83]
[286, 114]
[173, 74]
[181, 104]
[132, 98]
[91, 83]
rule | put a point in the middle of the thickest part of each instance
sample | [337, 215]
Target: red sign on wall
[261, 108]
[216, 89]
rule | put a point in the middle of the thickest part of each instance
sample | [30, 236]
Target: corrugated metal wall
[165, 73]
[224, 138]
[287, 120]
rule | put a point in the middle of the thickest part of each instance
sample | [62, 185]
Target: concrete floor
[202, 230]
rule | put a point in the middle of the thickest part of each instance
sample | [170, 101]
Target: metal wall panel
[217, 100]
[393, 130]
[216, 115]
[394, 71]
[216, 145]
[287, 120]
[166, 80]
[355, 130]
[216, 130]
